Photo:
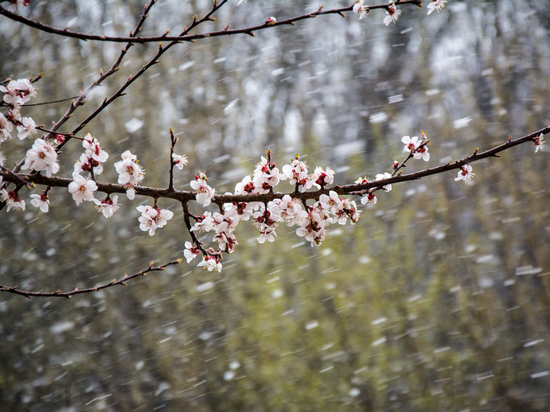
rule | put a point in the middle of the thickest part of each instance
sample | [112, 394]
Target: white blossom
[107, 206]
[359, 7]
[422, 153]
[245, 186]
[288, 210]
[465, 173]
[241, 210]
[296, 172]
[41, 201]
[416, 147]
[153, 218]
[369, 198]
[392, 14]
[204, 192]
[211, 263]
[204, 223]
[82, 189]
[85, 164]
[179, 161]
[93, 149]
[266, 176]
[224, 226]
[190, 252]
[18, 92]
[313, 228]
[130, 173]
[26, 129]
[322, 178]
[411, 143]
[266, 226]
[12, 199]
[41, 156]
[436, 5]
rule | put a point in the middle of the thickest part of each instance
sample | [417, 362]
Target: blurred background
[437, 300]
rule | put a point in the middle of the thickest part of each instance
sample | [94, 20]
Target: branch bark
[77, 291]
[349, 189]
[185, 37]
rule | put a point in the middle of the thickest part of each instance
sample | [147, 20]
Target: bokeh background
[437, 300]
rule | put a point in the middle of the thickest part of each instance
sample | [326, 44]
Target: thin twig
[194, 238]
[77, 291]
[43, 103]
[173, 141]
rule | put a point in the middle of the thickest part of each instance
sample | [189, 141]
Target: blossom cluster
[130, 173]
[312, 221]
[370, 197]
[152, 218]
[16, 94]
[90, 163]
[41, 157]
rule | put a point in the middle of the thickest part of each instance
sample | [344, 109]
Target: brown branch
[184, 196]
[457, 164]
[173, 140]
[77, 291]
[290, 21]
[185, 37]
[16, 178]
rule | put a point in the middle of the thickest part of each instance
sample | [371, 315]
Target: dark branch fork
[114, 68]
[140, 72]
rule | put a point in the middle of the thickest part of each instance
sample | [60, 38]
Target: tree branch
[77, 291]
[350, 189]
[184, 37]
